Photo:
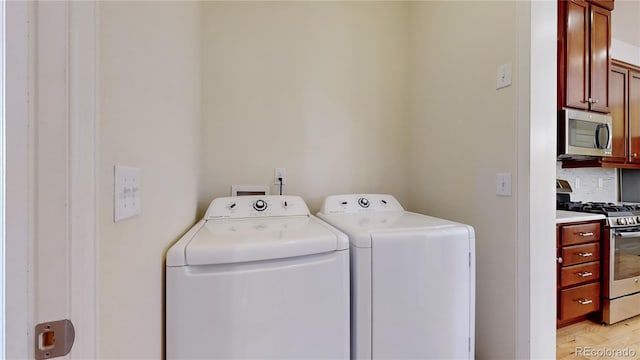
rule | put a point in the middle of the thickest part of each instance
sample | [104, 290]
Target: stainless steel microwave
[583, 134]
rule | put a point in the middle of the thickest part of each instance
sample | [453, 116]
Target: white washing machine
[412, 280]
[261, 278]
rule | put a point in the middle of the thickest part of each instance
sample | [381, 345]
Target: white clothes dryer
[412, 280]
[259, 277]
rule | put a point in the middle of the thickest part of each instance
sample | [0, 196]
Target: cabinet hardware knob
[585, 234]
[585, 254]
[634, 155]
[585, 273]
[559, 260]
[585, 301]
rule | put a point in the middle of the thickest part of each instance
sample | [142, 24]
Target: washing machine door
[422, 290]
[237, 241]
[294, 308]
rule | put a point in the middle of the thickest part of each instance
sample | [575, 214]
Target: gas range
[619, 215]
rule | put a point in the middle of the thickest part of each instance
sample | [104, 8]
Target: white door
[51, 190]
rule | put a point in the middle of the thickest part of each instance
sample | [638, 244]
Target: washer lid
[360, 227]
[233, 241]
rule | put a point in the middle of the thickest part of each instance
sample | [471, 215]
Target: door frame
[76, 25]
[83, 155]
[17, 178]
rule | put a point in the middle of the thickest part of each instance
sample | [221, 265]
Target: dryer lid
[235, 241]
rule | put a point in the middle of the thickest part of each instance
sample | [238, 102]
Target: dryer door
[422, 294]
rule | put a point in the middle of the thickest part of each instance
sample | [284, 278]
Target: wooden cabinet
[619, 78]
[584, 43]
[624, 93]
[633, 115]
[579, 266]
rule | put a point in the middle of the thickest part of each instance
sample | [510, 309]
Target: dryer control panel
[355, 203]
[238, 207]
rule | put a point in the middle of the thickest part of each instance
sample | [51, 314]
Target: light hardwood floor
[590, 340]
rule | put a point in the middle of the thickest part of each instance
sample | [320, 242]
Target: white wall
[149, 101]
[625, 31]
[463, 133]
[319, 88]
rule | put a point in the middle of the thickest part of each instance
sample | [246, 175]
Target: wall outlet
[126, 194]
[280, 173]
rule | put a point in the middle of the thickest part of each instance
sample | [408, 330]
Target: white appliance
[412, 280]
[258, 277]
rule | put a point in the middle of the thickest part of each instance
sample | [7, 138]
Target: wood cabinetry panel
[600, 58]
[634, 117]
[579, 300]
[577, 254]
[579, 274]
[577, 49]
[618, 107]
[581, 233]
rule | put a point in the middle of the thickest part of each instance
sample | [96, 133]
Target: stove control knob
[621, 221]
[637, 219]
[260, 205]
[364, 202]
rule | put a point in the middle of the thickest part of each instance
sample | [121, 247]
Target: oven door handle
[627, 234]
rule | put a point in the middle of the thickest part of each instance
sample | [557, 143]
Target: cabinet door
[599, 58]
[634, 117]
[618, 105]
[577, 50]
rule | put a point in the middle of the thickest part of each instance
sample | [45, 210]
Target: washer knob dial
[364, 202]
[260, 205]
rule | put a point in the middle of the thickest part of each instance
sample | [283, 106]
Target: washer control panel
[355, 203]
[238, 207]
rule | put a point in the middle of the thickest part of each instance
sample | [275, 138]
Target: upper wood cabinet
[584, 58]
[624, 93]
[619, 78]
[634, 115]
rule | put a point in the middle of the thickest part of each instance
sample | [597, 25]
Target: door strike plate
[54, 339]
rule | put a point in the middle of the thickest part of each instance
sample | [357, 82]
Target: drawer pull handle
[585, 234]
[585, 273]
[585, 254]
[585, 301]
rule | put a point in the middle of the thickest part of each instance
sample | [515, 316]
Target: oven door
[624, 262]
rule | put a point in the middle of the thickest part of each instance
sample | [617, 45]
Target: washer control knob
[260, 205]
[364, 202]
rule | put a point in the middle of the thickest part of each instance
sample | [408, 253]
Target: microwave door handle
[610, 137]
[597, 137]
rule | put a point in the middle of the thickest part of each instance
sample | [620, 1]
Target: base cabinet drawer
[579, 300]
[581, 233]
[580, 274]
[577, 254]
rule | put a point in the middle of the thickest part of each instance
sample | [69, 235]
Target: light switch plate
[503, 184]
[503, 76]
[127, 188]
